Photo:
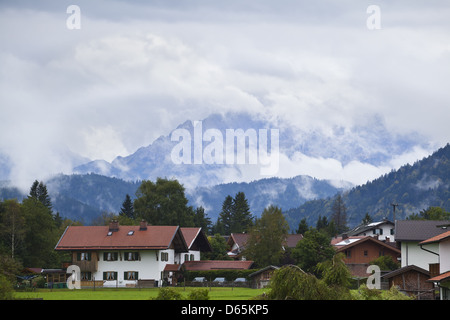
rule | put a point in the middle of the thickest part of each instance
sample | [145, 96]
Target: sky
[135, 70]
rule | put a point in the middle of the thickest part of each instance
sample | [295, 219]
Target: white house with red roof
[127, 255]
[442, 279]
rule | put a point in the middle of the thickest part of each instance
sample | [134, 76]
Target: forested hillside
[413, 187]
[85, 197]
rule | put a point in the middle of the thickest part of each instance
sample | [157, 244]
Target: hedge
[210, 275]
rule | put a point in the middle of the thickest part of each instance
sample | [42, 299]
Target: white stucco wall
[149, 266]
[444, 251]
[412, 254]
[193, 255]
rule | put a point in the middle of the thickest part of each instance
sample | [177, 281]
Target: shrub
[6, 289]
[292, 283]
[168, 293]
[199, 294]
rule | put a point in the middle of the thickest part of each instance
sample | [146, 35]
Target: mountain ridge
[414, 187]
[366, 144]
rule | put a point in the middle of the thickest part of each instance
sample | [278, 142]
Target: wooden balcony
[90, 265]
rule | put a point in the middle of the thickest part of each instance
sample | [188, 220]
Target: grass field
[216, 293]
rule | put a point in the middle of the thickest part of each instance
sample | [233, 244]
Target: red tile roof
[442, 276]
[368, 238]
[172, 267]
[438, 238]
[217, 265]
[293, 239]
[190, 234]
[96, 237]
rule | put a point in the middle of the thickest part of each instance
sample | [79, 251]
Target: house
[261, 278]
[360, 252]
[409, 233]
[383, 230]
[197, 242]
[439, 246]
[237, 242]
[129, 255]
[413, 281]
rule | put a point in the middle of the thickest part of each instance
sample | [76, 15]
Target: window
[378, 231]
[192, 257]
[392, 232]
[132, 256]
[110, 256]
[86, 275]
[130, 233]
[348, 253]
[110, 275]
[186, 257]
[164, 256]
[130, 275]
[84, 256]
[366, 253]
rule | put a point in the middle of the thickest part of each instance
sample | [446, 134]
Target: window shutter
[136, 275]
[104, 276]
[115, 275]
[78, 256]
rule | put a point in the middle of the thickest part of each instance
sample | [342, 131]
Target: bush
[6, 289]
[292, 283]
[168, 293]
[199, 294]
[393, 293]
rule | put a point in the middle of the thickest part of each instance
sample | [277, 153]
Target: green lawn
[134, 294]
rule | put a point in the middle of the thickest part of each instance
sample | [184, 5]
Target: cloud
[134, 71]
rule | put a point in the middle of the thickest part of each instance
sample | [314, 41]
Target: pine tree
[241, 219]
[339, 214]
[43, 196]
[302, 227]
[225, 216]
[201, 219]
[38, 192]
[127, 209]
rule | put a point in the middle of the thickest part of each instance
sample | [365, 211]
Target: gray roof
[367, 227]
[418, 230]
[406, 269]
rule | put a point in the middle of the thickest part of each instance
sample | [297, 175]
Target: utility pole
[394, 205]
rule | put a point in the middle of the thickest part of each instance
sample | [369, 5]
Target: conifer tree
[339, 214]
[38, 192]
[224, 221]
[241, 218]
[127, 209]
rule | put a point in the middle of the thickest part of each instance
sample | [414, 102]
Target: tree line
[29, 230]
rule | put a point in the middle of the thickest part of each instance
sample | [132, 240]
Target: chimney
[344, 236]
[114, 226]
[143, 225]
